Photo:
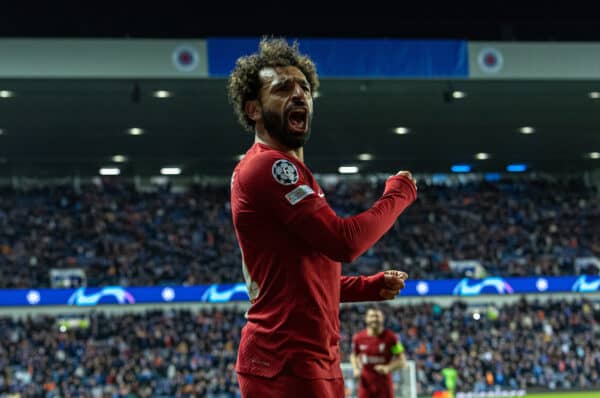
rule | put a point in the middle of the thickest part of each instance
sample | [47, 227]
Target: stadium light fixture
[516, 168]
[316, 94]
[135, 131]
[170, 171]
[492, 177]
[1, 131]
[110, 171]
[401, 130]
[6, 94]
[460, 168]
[594, 94]
[457, 94]
[240, 156]
[348, 169]
[526, 130]
[119, 158]
[482, 156]
[162, 94]
[365, 156]
[594, 155]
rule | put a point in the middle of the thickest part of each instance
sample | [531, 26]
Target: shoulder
[360, 334]
[269, 166]
[390, 335]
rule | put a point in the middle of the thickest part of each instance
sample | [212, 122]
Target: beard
[374, 325]
[276, 125]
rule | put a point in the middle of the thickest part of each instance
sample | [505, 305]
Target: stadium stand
[120, 235]
[168, 352]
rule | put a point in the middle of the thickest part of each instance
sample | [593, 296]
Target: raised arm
[344, 239]
[306, 213]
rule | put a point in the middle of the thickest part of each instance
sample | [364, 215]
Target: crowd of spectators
[526, 345]
[185, 353]
[160, 353]
[125, 236]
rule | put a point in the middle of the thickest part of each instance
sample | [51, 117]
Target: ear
[253, 110]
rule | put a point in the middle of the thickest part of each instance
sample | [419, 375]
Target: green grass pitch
[586, 394]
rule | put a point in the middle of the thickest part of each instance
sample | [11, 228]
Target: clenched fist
[408, 175]
[394, 282]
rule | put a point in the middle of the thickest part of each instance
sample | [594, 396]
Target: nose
[298, 95]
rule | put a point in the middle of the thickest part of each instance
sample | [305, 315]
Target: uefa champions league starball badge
[285, 172]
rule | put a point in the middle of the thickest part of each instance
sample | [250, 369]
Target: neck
[265, 138]
[374, 331]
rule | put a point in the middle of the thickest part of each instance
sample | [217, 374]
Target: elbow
[342, 243]
[351, 255]
[353, 251]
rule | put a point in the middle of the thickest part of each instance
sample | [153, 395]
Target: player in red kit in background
[376, 353]
[292, 242]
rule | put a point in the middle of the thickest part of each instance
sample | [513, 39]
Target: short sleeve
[280, 186]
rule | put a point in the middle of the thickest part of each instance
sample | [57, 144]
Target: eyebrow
[284, 80]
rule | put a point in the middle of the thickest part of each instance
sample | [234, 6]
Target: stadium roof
[487, 21]
[68, 127]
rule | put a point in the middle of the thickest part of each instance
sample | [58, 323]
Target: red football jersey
[292, 244]
[371, 351]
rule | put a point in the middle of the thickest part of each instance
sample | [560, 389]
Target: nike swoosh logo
[321, 195]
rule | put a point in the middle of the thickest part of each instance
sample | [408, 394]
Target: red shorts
[289, 386]
[369, 388]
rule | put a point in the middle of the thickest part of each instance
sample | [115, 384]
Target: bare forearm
[356, 365]
[398, 362]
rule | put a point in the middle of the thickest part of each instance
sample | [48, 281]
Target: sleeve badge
[285, 172]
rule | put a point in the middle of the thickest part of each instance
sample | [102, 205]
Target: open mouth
[297, 119]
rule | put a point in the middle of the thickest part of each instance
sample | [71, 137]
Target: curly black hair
[244, 82]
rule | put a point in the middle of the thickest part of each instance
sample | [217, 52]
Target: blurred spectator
[157, 353]
[558, 348]
[119, 235]
[185, 353]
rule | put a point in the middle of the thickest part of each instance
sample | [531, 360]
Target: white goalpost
[405, 381]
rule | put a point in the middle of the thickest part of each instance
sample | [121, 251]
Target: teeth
[300, 112]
